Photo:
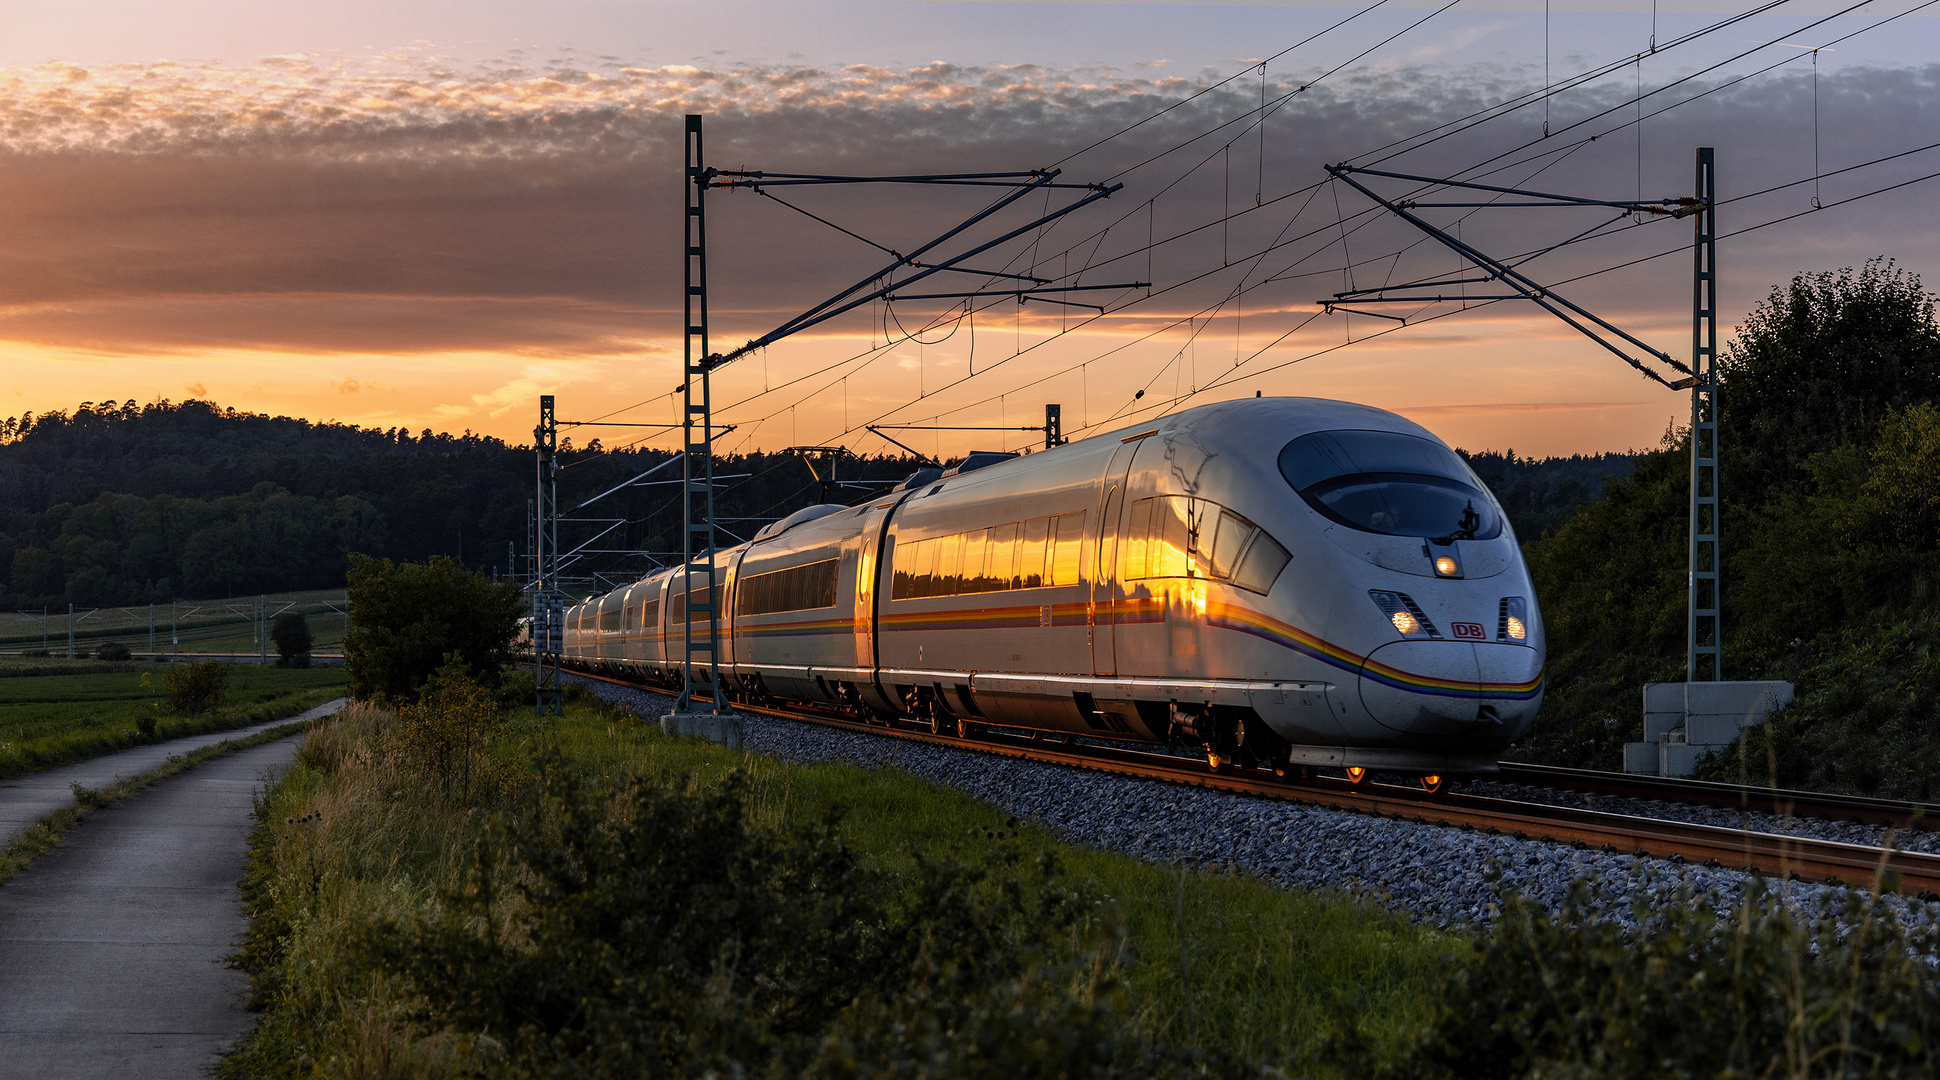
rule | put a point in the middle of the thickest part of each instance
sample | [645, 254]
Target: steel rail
[1911, 816]
[1770, 854]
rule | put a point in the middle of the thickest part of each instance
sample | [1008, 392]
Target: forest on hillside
[117, 503]
[120, 503]
[1829, 472]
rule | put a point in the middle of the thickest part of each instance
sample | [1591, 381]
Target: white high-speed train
[1307, 583]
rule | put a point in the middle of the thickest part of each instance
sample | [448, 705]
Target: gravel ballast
[1438, 875]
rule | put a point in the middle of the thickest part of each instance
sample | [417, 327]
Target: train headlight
[1404, 613]
[1446, 566]
[1512, 622]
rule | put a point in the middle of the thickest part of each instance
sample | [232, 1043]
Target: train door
[1104, 567]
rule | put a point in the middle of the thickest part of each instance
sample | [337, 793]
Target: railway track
[1770, 854]
[1798, 804]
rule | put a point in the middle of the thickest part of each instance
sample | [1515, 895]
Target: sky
[427, 214]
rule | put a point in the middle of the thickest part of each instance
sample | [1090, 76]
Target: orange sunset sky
[399, 215]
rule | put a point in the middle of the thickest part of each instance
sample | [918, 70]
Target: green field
[54, 711]
[188, 627]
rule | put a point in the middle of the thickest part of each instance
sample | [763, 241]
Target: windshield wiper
[1470, 522]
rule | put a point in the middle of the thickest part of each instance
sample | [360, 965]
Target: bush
[1776, 988]
[192, 689]
[654, 933]
[446, 732]
[291, 633]
[113, 650]
[408, 617]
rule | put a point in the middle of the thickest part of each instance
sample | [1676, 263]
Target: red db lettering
[1471, 631]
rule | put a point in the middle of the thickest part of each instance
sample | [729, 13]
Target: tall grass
[1219, 968]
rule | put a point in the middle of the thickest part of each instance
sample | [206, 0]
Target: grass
[350, 839]
[46, 834]
[57, 711]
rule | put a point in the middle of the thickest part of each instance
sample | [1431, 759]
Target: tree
[291, 632]
[1817, 365]
[405, 618]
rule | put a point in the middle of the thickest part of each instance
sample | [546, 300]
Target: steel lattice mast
[697, 570]
[1705, 625]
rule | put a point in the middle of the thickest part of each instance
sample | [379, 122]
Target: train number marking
[1468, 631]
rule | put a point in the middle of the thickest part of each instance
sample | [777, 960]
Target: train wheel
[1356, 775]
[936, 724]
[1215, 760]
[1431, 784]
[964, 729]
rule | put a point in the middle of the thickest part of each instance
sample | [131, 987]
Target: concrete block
[1640, 757]
[1749, 700]
[1659, 724]
[1713, 730]
[723, 728]
[1679, 758]
[1664, 697]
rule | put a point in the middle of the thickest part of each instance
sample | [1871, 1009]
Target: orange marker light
[1446, 566]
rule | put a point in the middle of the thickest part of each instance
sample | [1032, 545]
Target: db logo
[1471, 631]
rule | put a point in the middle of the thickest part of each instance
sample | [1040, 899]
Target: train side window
[1170, 538]
[1030, 553]
[797, 588]
[1070, 546]
[1261, 564]
[1229, 543]
[975, 547]
[700, 597]
[949, 565]
[1000, 558]
[650, 614]
[911, 559]
[1138, 521]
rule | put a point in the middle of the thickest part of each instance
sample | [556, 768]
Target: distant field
[187, 627]
[56, 711]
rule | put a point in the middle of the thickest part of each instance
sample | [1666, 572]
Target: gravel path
[1439, 875]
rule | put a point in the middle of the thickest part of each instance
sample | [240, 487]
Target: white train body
[1262, 573]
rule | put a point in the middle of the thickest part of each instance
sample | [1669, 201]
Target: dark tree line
[119, 503]
[1540, 494]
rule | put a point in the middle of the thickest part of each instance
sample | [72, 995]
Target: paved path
[112, 946]
[27, 799]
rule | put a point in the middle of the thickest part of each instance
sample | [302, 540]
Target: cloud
[319, 204]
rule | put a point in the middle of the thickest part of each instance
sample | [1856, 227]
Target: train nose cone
[1452, 687]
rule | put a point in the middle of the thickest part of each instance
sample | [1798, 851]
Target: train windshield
[1387, 482]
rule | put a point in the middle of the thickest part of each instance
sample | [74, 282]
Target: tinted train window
[1387, 482]
[1175, 536]
[679, 604]
[798, 588]
[650, 614]
[1014, 555]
